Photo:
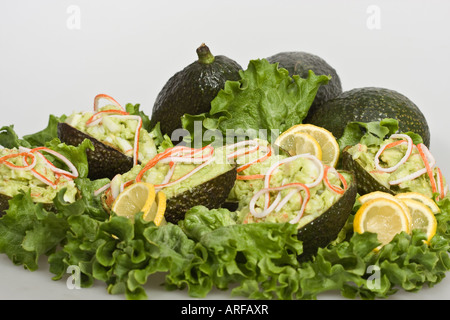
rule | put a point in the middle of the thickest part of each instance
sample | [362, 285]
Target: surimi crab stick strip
[97, 117]
[423, 151]
[28, 166]
[136, 134]
[279, 204]
[107, 97]
[271, 170]
[419, 172]
[74, 172]
[241, 151]
[242, 145]
[333, 188]
[30, 153]
[440, 184]
[391, 145]
[121, 113]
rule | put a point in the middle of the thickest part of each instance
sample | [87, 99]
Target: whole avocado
[370, 104]
[192, 89]
[299, 63]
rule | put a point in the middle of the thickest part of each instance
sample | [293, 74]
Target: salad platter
[249, 194]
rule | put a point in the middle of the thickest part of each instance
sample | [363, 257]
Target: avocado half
[370, 104]
[365, 182]
[299, 63]
[104, 161]
[325, 227]
[191, 90]
[211, 194]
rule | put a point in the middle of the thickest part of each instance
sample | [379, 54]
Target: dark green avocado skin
[299, 63]
[365, 182]
[4, 205]
[190, 91]
[104, 161]
[326, 227]
[211, 194]
[370, 104]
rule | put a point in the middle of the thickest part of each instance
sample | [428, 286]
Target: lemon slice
[327, 142]
[299, 143]
[421, 198]
[138, 197]
[382, 216]
[422, 218]
[379, 194]
[156, 212]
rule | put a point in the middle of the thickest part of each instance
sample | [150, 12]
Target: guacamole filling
[176, 170]
[401, 166]
[281, 189]
[28, 170]
[113, 126]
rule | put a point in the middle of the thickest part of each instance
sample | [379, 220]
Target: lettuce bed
[208, 249]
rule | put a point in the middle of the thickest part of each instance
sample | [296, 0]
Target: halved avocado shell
[105, 161]
[211, 194]
[365, 182]
[325, 228]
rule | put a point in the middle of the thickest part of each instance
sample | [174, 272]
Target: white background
[129, 49]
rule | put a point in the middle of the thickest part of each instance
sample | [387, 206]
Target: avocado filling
[401, 166]
[30, 171]
[113, 126]
[286, 189]
[176, 170]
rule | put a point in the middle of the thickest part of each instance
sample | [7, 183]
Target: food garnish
[382, 216]
[329, 147]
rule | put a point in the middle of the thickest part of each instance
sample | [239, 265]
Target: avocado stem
[204, 55]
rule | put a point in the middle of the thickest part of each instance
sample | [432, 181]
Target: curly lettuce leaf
[75, 154]
[9, 138]
[372, 133]
[265, 98]
[45, 135]
[234, 253]
[28, 231]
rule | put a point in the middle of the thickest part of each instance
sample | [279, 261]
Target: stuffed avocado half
[276, 188]
[119, 139]
[188, 177]
[29, 171]
[395, 166]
